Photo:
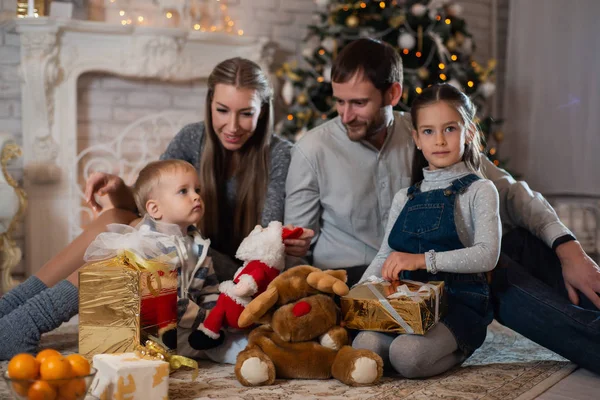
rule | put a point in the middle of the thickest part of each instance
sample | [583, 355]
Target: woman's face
[235, 113]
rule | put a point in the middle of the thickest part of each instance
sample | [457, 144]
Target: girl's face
[441, 135]
[235, 113]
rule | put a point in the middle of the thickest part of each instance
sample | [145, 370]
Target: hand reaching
[100, 183]
[398, 262]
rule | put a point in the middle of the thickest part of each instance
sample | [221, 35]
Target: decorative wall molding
[54, 54]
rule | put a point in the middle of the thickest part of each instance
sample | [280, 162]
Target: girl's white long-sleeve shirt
[477, 220]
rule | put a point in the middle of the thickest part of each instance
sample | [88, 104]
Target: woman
[242, 168]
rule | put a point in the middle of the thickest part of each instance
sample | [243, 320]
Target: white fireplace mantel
[54, 54]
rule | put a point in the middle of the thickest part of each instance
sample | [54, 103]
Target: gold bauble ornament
[451, 44]
[499, 136]
[396, 21]
[302, 99]
[423, 73]
[352, 21]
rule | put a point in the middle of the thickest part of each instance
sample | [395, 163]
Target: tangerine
[41, 390]
[55, 367]
[23, 366]
[74, 389]
[42, 355]
[80, 366]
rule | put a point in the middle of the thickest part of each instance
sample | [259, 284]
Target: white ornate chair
[13, 201]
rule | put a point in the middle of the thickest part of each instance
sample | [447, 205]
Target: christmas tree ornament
[499, 136]
[287, 92]
[310, 47]
[327, 73]
[308, 52]
[418, 10]
[451, 44]
[406, 41]
[329, 44]
[352, 21]
[423, 73]
[487, 89]
[454, 10]
[397, 20]
[302, 99]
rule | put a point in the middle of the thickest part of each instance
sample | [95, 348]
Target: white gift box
[127, 376]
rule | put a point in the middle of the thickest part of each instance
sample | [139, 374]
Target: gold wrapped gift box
[122, 301]
[363, 309]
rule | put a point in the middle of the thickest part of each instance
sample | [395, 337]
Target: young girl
[446, 227]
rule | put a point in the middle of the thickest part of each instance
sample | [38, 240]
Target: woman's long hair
[226, 228]
[465, 107]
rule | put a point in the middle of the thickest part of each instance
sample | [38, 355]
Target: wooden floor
[580, 385]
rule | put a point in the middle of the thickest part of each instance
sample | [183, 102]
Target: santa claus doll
[263, 253]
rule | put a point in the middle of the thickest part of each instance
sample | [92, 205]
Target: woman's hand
[100, 183]
[398, 262]
[298, 247]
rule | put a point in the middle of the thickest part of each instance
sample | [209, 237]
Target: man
[343, 177]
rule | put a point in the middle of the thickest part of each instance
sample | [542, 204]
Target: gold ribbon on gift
[130, 258]
[152, 350]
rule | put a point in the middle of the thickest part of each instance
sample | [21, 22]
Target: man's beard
[364, 131]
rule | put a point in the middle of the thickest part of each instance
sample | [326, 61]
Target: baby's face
[178, 198]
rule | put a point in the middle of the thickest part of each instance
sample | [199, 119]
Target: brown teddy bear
[300, 336]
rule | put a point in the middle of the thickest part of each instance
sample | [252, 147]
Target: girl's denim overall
[427, 223]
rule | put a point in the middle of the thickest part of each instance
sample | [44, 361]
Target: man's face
[361, 107]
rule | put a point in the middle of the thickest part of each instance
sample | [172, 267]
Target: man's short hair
[150, 178]
[377, 61]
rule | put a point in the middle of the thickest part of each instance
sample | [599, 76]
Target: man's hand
[580, 272]
[398, 262]
[298, 247]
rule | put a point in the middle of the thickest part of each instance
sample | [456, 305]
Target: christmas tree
[433, 41]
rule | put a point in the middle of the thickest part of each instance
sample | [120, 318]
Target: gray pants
[414, 356]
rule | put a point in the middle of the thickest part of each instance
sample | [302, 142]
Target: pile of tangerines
[52, 376]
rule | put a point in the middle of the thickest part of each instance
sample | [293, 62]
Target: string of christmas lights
[199, 15]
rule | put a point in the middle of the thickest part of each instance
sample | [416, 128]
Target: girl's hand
[398, 262]
[298, 247]
[100, 183]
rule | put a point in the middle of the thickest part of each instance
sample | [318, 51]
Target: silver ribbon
[386, 304]
[425, 290]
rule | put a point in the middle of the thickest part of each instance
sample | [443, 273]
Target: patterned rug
[506, 367]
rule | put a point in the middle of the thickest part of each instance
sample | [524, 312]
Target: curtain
[552, 95]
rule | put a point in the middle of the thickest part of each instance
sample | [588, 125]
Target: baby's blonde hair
[150, 178]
